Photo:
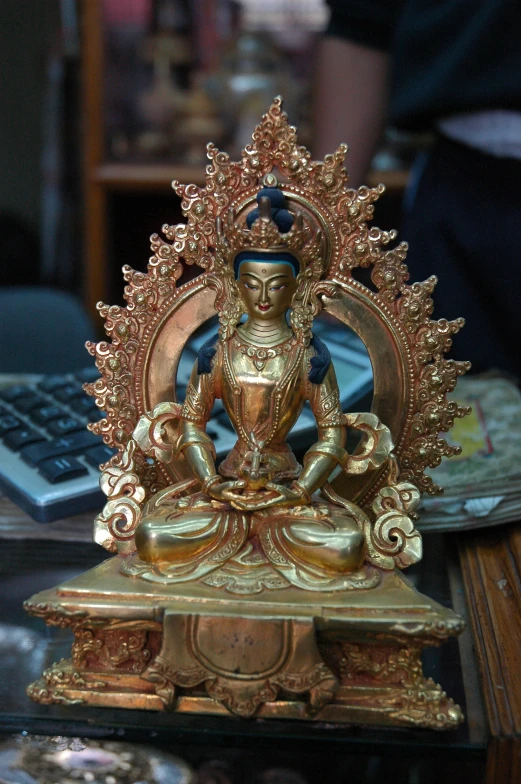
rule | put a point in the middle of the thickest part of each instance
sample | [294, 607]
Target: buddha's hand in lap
[225, 491]
[274, 495]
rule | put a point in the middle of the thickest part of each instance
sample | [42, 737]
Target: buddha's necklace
[261, 354]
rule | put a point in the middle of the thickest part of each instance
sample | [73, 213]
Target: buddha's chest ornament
[259, 355]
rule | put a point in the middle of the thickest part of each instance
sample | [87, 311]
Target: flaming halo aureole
[412, 375]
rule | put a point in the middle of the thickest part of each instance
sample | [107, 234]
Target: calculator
[49, 461]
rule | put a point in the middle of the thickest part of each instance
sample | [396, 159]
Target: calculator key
[28, 402]
[64, 394]
[9, 422]
[59, 469]
[73, 444]
[16, 439]
[83, 405]
[64, 425]
[52, 383]
[45, 414]
[88, 374]
[99, 454]
[10, 394]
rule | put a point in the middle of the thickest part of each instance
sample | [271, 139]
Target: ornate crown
[262, 230]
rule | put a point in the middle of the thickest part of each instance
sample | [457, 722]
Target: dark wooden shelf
[147, 176]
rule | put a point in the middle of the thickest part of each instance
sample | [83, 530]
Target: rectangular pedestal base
[353, 657]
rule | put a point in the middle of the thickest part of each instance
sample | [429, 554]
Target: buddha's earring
[303, 310]
[231, 311]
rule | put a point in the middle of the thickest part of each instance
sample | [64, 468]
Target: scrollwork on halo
[114, 527]
[392, 540]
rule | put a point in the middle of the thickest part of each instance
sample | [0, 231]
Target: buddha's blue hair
[320, 362]
[274, 257]
[205, 355]
[279, 214]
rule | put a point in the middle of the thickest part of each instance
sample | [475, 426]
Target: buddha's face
[266, 288]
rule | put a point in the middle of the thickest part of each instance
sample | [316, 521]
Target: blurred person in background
[453, 67]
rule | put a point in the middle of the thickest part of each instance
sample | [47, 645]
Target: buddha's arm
[193, 441]
[328, 452]
[321, 459]
[198, 450]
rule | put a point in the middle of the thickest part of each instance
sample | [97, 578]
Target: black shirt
[447, 56]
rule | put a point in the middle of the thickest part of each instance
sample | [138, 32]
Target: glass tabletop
[27, 647]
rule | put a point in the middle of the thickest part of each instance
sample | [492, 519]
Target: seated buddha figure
[258, 510]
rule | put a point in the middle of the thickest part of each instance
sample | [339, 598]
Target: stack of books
[483, 484]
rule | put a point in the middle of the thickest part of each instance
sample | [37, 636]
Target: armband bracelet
[301, 490]
[198, 438]
[209, 482]
[326, 448]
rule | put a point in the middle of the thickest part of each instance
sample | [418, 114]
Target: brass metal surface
[351, 657]
[260, 586]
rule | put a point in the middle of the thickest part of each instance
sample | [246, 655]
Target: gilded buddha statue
[258, 585]
[261, 502]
